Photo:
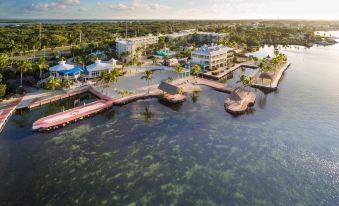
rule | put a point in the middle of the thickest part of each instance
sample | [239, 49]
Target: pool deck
[276, 79]
[8, 111]
[224, 71]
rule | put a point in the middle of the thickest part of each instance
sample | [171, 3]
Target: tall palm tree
[4, 61]
[23, 66]
[196, 71]
[79, 60]
[42, 65]
[67, 83]
[179, 70]
[52, 83]
[247, 81]
[148, 76]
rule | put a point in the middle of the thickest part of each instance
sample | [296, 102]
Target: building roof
[99, 65]
[169, 88]
[237, 95]
[70, 71]
[206, 50]
[61, 67]
[266, 75]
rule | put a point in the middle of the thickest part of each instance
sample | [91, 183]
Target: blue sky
[170, 9]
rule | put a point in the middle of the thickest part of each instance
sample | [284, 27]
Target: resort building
[211, 37]
[211, 58]
[132, 44]
[94, 70]
[65, 71]
[184, 33]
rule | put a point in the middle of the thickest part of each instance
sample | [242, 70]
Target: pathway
[8, 111]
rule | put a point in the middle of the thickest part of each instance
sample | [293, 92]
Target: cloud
[59, 4]
[82, 9]
[137, 5]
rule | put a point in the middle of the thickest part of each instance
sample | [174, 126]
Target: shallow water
[285, 151]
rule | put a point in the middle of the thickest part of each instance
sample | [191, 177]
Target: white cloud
[137, 5]
[82, 9]
[59, 4]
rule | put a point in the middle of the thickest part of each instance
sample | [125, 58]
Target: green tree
[3, 87]
[52, 83]
[196, 71]
[79, 60]
[42, 65]
[247, 81]
[23, 66]
[4, 61]
[66, 83]
[179, 70]
[148, 76]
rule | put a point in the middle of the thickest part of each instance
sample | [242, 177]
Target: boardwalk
[225, 71]
[239, 101]
[273, 84]
[222, 87]
[69, 116]
[7, 112]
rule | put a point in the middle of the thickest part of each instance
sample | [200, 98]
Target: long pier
[222, 87]
[274, 82]
[224, 72]
[7, 112]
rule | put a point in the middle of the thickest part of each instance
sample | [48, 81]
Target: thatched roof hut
[266, 75]
[169, 88]
[237, 95]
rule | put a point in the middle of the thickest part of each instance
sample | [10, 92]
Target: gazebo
[267, 76]
[65, 71]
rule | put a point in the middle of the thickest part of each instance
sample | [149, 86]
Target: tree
[179, 70]
[4, 61]
[66, 83]
[247, 81]
[124, 93]
[23, 66]
[3, 87]
[155, 60]
[52, 83]
[108, 77]
[42, 65]
[90, 58]
[79, 60]
[196, 71]
[148, 76]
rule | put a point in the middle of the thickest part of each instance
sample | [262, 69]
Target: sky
[169, 9]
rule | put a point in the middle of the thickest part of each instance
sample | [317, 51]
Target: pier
[239, 101]
[223, 72]
[272, 83]
[6, 113]
[222, 87]
[69, 116]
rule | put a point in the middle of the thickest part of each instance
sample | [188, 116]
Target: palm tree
[196, 71]
[42, 65]
[4, 61]
[67, 83]
[79, 60]
[107, 77]
[148, 76]
[247, 81]
[52, 83]
[23, 66]
[179, 70]
[155, 60]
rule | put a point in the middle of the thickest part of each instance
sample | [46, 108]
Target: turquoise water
[284, 151]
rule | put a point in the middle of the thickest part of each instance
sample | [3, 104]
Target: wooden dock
[6, 113]
[273, 85]
[239, 101]
[62, 119]
[224, 71]
[222, 87]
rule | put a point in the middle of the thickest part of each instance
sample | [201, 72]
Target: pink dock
[63, 118]
[6, 113]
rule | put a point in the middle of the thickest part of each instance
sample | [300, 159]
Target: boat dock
[222, 87]
[239, 101]
[8, 111]
[69, 116]
[223, 72]
[274, 82]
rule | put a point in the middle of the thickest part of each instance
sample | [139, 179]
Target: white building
[94, 70]
[211, 58]
[183, 33]
[65, 71]
[131, 44]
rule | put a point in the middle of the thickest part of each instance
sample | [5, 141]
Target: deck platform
[273, 85]
[222, 87]
[6, 113]
[63, 118]
[239, 101]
